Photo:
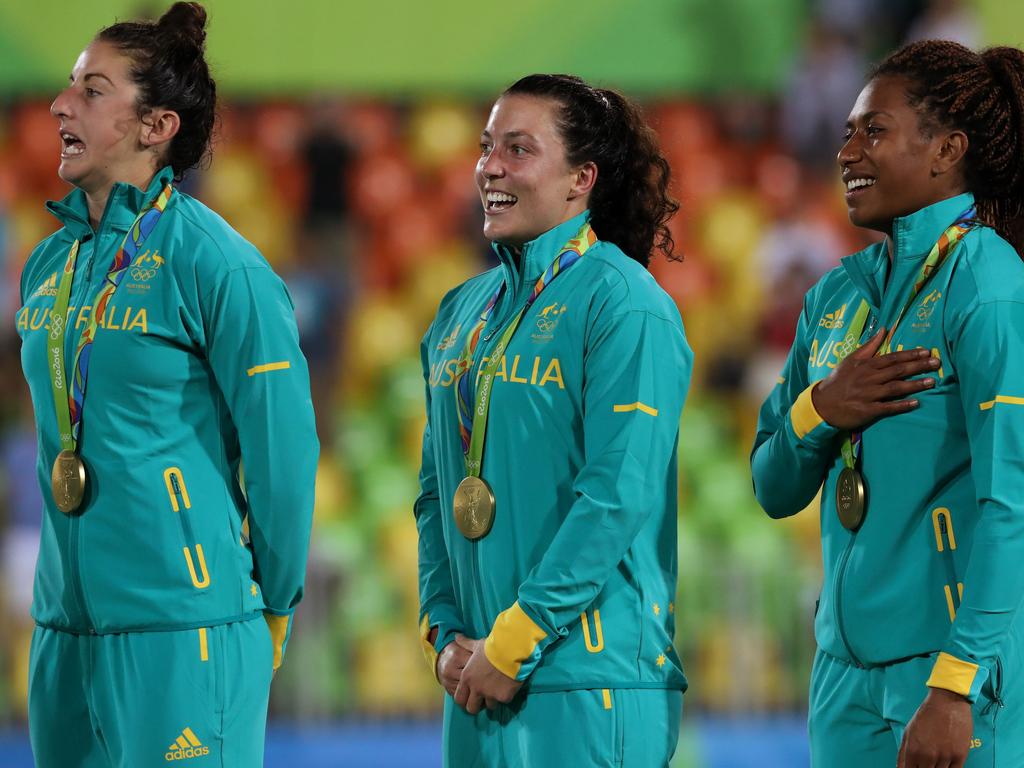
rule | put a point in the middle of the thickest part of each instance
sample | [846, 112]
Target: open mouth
[71, 145]
[499, 201]
[857, 185]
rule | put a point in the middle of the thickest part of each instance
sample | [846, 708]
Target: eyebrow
[511, 135]
[870, 115]
[71, 77]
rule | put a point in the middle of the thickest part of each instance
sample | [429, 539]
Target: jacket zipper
[838, 597]
[75, 563]
[75, 523]
[497, 327]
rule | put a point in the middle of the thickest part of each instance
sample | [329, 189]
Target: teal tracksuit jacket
[574, 587]
[936, 567]
[196, 371]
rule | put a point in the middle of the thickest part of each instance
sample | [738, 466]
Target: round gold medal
[68, 481]
[851, 499]
[474, 508]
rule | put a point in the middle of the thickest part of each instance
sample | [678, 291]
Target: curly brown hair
[982, 94]
[630, 204]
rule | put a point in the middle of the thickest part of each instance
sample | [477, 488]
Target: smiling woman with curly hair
[555, 382]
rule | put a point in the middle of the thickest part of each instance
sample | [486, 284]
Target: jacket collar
[913, 237]
[537, 255]
[123, 205]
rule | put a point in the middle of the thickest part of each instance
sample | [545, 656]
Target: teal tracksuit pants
[196, 697]
[600, 728]
[858, 715]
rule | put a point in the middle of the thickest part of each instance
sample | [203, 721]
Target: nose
[850, 152]
[491, 166]
[61, 105]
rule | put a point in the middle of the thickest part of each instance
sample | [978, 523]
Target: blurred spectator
[947, 20]
[21, 506]
[825, 80]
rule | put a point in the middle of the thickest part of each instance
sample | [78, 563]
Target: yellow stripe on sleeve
[512, 641]
[607, 696]
[952, 674]
[279, 366]
[278, 633]
[803, 415]
[204, 651]
[1006, 399]
[637, 406]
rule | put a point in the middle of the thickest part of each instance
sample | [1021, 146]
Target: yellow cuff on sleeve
[802, 415]
[952, 674]
[513, 639]
[278, 634]
[428, 649]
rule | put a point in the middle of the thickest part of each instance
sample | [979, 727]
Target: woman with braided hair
[161, 352]
[904, 394]
[547, 516]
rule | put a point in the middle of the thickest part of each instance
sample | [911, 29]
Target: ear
[583, 181]
[159, 126]
[951, 152]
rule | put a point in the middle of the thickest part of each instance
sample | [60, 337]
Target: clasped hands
[468, 675]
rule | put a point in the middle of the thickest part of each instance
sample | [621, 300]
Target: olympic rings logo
[142, 274]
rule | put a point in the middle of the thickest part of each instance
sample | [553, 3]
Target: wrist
[816, 401]
[945, 696]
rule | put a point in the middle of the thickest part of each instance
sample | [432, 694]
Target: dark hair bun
[185, 21]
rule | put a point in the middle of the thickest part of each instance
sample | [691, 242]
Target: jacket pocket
[181, 505]
[593, 639]
[945, 543]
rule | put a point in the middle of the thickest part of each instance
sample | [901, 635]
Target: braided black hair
[982, 94]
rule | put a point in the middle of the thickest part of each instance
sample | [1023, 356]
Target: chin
[496, 233]
[868, 221]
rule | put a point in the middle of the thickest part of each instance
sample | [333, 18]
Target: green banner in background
[417, 47]
[441, 46]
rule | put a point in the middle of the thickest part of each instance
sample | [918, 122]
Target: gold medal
[474, 508]
[68, 481]
[850, 499]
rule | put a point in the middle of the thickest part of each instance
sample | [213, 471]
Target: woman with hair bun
[904, 394]
[162, 354]
[548, 504]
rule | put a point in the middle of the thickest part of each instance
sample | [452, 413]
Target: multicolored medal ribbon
[474, 500]
[851, 493]
[68, 476]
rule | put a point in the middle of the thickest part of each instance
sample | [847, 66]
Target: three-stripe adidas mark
[834, 319]
[185, 747]
[48, 288]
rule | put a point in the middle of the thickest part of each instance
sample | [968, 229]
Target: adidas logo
[449, 341]
[833, 319]
[185, 747]
[49, 288]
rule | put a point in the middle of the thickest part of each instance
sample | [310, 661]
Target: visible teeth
[853, 184]
[74, 149]
[501, 197]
